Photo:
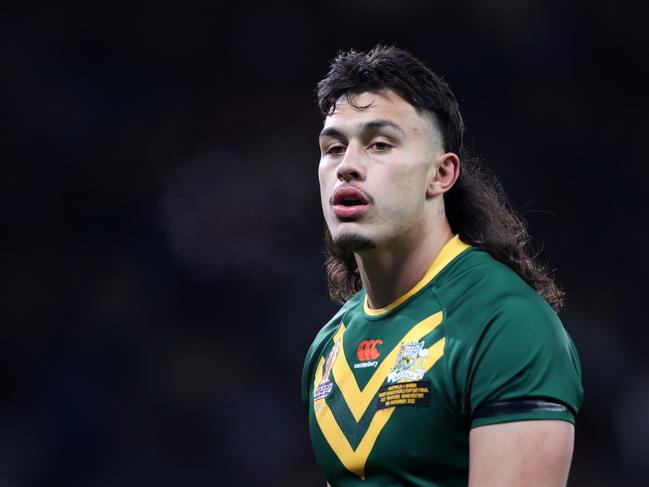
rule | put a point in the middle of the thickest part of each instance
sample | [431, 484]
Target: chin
[353, 242]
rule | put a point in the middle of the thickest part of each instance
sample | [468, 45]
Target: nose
[351, 167]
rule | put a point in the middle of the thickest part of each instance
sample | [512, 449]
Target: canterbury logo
[367, 350]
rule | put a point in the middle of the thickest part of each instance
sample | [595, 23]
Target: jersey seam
[445, 332]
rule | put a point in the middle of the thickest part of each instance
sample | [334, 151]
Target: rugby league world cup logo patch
[323, 389]
[367, 353]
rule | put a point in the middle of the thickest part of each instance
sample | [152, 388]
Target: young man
[447, 364]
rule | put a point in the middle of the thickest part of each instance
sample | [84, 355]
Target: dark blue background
[162, 255]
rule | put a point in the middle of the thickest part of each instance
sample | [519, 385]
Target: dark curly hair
[477, 208]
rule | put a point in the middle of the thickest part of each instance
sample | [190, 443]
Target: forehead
[385, 104]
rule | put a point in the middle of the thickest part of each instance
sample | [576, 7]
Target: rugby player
[447, 364]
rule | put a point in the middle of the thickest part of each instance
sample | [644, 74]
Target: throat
[389, 275]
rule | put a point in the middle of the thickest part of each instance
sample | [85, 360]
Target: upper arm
[523, 391]
[523, 453]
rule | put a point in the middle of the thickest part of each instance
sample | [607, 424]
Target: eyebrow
[366, 127]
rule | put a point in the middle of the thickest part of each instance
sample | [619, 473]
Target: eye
[380, 146]
[335, 150]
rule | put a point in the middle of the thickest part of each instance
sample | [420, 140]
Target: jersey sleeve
[524, 367]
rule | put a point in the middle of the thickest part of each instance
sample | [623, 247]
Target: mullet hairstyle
[476, 206]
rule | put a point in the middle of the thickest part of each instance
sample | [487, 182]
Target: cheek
[406, 182]
[407, 194]
[325, 185]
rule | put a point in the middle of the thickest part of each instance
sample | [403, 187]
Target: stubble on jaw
[353, 242]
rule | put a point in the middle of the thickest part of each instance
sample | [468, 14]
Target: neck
[390, 271]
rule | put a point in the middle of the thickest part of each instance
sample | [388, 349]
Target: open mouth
[349, 196]
[349, 202]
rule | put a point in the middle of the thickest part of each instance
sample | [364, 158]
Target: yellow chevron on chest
[358, 400]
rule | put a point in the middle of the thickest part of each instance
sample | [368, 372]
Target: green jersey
[393, 393]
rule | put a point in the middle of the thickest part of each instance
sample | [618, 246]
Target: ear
[446, 170]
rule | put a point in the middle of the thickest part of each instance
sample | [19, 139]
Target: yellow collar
[451, 249]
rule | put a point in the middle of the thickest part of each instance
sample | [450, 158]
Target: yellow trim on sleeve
[450, 251]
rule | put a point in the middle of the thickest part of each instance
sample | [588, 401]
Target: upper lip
[349, 194]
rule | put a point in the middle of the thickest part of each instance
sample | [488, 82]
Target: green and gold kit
[393, 393]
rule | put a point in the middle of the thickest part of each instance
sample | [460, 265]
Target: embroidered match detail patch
[404, 394]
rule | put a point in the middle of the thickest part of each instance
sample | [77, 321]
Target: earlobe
[447, 170]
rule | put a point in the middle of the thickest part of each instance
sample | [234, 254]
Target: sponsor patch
[367, 353]
[367, 350]
[404, 394]
[364, 365]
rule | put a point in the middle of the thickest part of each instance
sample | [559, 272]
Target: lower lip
[342, 211]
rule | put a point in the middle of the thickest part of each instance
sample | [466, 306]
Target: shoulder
[483, 288]
[493, 317]
[505, 342]
[475, 267]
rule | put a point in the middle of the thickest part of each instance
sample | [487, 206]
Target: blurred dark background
[162, 255]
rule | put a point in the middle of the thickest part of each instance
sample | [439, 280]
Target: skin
[524, 453]
[395, 156]
[405, 172]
